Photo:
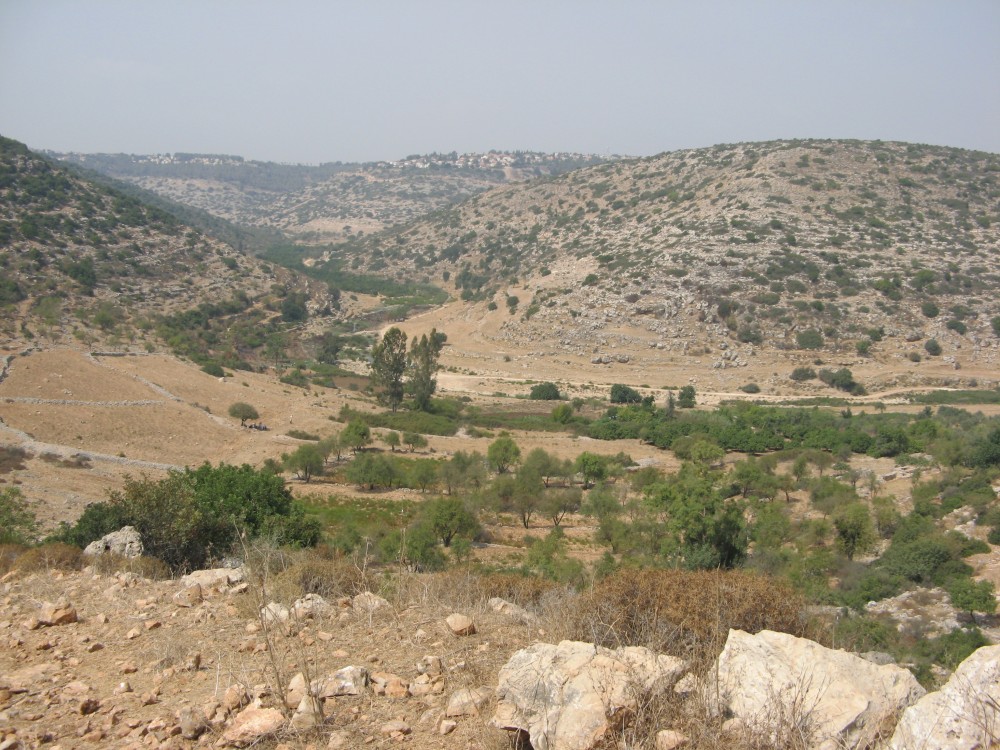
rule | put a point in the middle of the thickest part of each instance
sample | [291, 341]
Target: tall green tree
[389, 365]
[423, 367]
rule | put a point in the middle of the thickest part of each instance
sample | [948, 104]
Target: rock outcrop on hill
[776, 684]
[568, 696]
[962, 715]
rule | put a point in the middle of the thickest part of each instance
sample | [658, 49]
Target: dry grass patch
[683, 613]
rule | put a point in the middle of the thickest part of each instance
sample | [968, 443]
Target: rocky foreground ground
[228, 659]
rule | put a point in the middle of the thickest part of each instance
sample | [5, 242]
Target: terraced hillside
[329, 201]
[81, 261]
[866, 249]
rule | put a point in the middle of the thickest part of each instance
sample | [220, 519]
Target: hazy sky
[375, 79]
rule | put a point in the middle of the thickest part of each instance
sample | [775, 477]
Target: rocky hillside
[80, 259]
[225, 658]
[330, 201]
[872, 248]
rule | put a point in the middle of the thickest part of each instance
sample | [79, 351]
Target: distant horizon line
[607, 155]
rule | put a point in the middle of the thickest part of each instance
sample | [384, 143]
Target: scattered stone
[770, 678]
[274, 613]
[296, 690]
[962, 715]
[519, 614]
[447, 726]
[214, 578]
[311, 606]
[126, 542]
[467, 701]
[385, 683]
[395, 727]
[132, 634]
[338, 740]
[190, 596]
[368, 602]
[253, 724]
[346, 681]
[568, 696]
[193, 723]
[235, 697]
[60, 613]
[460, 624]
[430, 665]
[668, 739]
[309, 713]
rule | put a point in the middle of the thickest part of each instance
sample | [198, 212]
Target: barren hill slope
[793, 249]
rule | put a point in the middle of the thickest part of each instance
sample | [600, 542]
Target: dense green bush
[544, 392]
[193, 516]
[809, 339]
[932, 347]
[623, 394]
[800, 374]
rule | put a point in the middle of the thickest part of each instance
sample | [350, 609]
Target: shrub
[685, 613]
[190, 516]
[563, 414]
[544, 392]
[17, 520]
[932, 347]
[957, 326]
[686, 397]
[214, 369]
[623, 394]
[809, 339]
[930, 310]
[51, 556]
[315, 575]
[750, 388]
[800, 374]
[914, 356]
[841, 379]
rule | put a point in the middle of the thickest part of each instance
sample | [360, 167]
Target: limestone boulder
[963, 715]
[567, 696]
[60, 613]
[126, 542]
[511, 610]
[347, 681]
[311, 606]
[460, 624]
[771, 681]
[214, 578]
[251, 725]
[368, 602]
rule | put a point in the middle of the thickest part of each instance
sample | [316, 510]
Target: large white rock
[771, 681]
[567, 696]
[126, 542]
[962, 715]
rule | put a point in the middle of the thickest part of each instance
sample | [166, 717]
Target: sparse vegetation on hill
[811, 245]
